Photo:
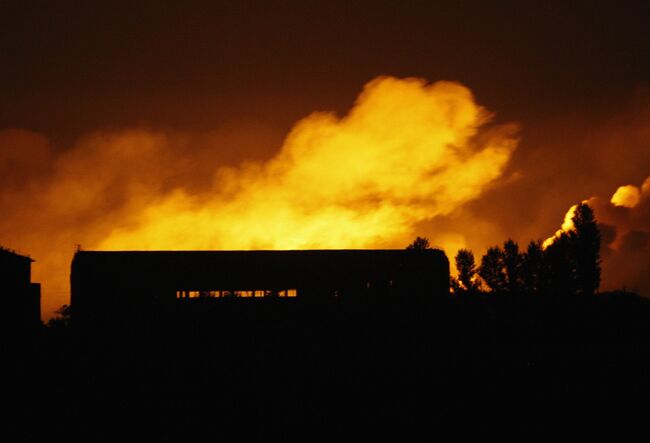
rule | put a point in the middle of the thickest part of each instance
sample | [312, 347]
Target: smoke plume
[624, 222]
[405, 153]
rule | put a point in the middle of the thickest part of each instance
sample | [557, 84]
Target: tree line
[570, 265]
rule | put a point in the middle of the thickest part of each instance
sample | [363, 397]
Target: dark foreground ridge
[507, 367]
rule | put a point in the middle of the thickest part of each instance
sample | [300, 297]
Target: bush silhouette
[420, 243]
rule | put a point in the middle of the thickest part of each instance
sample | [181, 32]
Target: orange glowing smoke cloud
[624, 222]
[567, 226]
[406, 152]
[627, 196]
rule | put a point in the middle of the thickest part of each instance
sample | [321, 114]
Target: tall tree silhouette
[585, 242]
[561, 268]
[466, 270]
[534, 269]
[512, 262]
[502, 269]
[574, 257]
[491, 269]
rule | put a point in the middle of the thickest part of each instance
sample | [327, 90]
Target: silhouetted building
[20, 297]
[110, 281]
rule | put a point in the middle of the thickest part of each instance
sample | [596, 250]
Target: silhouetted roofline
[217, 251]
[90, 256]
[14, 253]
[311, 254]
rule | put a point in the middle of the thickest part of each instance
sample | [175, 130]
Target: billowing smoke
[567, 225]
[406, 152]
[627, 196]
[624, 222]
[562, 159]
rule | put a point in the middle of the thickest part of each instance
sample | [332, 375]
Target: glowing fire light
[406, 152]
[567, 226]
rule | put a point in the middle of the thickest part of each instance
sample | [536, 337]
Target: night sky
[72, 67]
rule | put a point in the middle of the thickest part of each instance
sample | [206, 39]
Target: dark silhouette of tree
[561, 269]
[569, 265]
[419, 244]
[502, 269]
[573, 259]
[534, 269]
[455, 286]
[491, 269]
[512, 262]
[62, 320]
[466, 270]
[585, 242]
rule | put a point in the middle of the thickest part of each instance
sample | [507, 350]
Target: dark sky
[71, 67]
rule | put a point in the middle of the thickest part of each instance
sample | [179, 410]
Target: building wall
[21, 298]
[110, 281]
[15, 270]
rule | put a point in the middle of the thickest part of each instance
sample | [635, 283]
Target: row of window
[259, 293]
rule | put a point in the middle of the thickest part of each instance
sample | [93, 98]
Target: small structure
[21, 298]
[114, 280]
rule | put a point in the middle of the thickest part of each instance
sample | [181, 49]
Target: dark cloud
[78, 67]
[634, 242]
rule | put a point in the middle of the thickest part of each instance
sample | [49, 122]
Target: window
[245, 293]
